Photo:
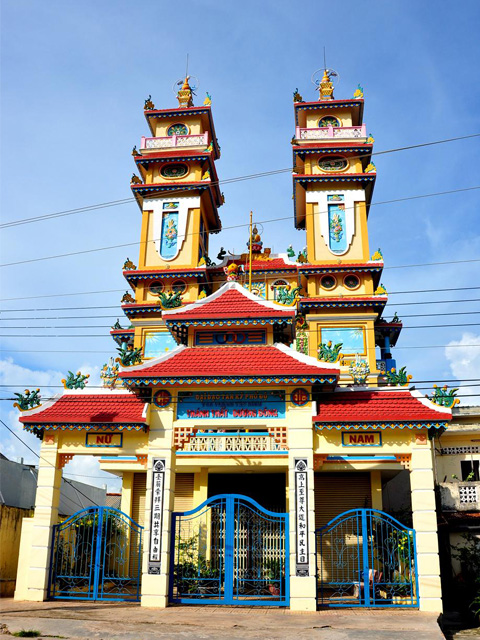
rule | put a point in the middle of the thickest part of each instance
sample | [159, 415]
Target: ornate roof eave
[310, 148]
[400, 424]
[164, 274]
[137, 308]
[329, 104]
[228, 380]
[373, 267]
[330, 302]
[185, 111]
[228, 322]
[142, 191]
[390, 329]
[39, 428]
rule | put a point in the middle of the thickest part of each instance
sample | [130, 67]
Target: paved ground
[80, 620]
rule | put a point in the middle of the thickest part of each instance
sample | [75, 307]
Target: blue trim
[104, 433]
[229, 454]
[319, 426]
[360, 458]
[151, 381]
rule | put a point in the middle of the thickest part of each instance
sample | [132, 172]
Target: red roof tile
[207, 362]
[230, 301]
[378, 406]
[119, 408]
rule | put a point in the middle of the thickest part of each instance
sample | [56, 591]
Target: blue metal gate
[96, 555]
[366, 558]
[229, 550]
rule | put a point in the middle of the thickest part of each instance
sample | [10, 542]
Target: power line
[48, 462]
[353, 296]
[130, 244]
[114, 203]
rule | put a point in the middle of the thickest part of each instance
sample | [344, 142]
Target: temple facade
[255, 411]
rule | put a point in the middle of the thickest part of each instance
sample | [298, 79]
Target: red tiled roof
[119, 408]
[230, 301]
[378, 406]
[257, 361]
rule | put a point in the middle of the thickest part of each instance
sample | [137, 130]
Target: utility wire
[130, 244]
[114, 203]
[398, 304]
[48, 462]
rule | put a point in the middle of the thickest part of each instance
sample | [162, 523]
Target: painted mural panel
[352, 338]
[336, 226]
[168, 245]
[157, 343]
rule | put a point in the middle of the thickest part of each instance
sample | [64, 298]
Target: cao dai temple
[249, 414]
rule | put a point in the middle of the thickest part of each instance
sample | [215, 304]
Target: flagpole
[250, 256]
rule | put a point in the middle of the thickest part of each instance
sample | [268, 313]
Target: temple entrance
[230, 550]
[366, 558]
[96, 555]
[268, 489]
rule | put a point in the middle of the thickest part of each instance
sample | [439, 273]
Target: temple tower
[333, 181]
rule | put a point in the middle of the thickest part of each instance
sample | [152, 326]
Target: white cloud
[464, 359]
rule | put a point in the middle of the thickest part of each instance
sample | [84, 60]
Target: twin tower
[335, 283]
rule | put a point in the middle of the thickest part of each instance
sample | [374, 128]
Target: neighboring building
[250, 409]
[18, 488]
[457, 455]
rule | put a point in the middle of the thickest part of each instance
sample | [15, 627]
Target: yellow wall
[344, 115]
[10, 529]
[194, 125]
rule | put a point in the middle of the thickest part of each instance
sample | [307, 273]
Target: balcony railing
[232, 442]
[190, 140]
[460, 496]
[331, 133]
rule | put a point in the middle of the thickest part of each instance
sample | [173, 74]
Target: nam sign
[237, 405]
[361, 439]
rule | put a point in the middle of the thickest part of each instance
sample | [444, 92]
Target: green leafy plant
[468, 581]
[27, 633]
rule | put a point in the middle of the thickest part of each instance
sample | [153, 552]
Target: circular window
[329, 121]
[179, 286]
[300, 397]
[156, 288]
[333, 163]
[328, 282]
[162, 398]
[178, 129]
[173, 171]
[351, 281]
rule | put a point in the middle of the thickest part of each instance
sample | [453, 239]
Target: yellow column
[200, 487]
[376, 488]
[160, 440]
[127, 493]
[425, 524]
[303, 589]
[34, 559]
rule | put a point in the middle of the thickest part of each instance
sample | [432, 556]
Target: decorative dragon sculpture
[398, 378]
[170, 300]
[443, 398]
[287, 296]
[77, 381]
[129, 356]
[27, 400]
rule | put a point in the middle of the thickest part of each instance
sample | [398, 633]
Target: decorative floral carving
[27, 400]
[336, 227]
[398, 379]
[359, 370]
[171, 233]
[444, 398]
[328, 353]
[109, 373]
[77, 381]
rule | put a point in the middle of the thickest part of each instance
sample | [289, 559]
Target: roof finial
[324, 81]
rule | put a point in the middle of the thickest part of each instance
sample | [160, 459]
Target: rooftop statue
[77, 381]
[27, 400]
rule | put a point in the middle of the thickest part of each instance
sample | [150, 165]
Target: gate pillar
[160, 485]
[425, 524]
[303, 580]
[36, 541]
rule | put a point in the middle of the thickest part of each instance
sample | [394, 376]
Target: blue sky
[74, 79]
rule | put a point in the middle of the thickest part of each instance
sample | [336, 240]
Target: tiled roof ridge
[228, 286]
[76, 392]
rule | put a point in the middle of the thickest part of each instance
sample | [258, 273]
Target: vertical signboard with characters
[156, 518]
[301, 509]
